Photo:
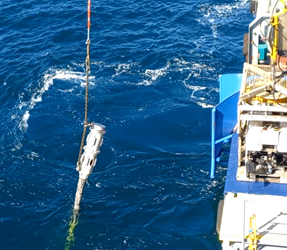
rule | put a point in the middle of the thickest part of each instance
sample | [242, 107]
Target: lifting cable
[87, 64]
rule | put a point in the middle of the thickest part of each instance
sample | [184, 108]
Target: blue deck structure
[224, 115]
[224, 119]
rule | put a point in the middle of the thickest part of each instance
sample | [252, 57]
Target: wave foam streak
[217, 15]
[45, 83]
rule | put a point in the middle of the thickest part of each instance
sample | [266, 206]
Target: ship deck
[249, 187]
[271, 220]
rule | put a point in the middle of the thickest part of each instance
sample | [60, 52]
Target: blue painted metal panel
[224, 119]
[232, 185]
[228, 85]
[224, 115]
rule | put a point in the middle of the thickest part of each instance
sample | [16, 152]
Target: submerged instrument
[252, 114]
[87, 154]
[88, 159]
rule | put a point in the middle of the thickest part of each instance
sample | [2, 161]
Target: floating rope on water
[87, 154]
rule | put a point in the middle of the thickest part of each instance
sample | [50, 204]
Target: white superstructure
[253, 214]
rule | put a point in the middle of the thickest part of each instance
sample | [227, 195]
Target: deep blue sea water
[154, 80]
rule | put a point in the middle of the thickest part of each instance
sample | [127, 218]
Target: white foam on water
[23, 125]
[219, 14]
[194, 69]
[215, 13]
[201, 69]
[32, 155]
[198, 71]
[79, 77]
[224, 10]
[204, 105]
[195, 89]
[199, 100]
[145, 82]
[151, 75]
[124, 68]
[215, 89]
[179, 65]
[189, 70]
[46, 81]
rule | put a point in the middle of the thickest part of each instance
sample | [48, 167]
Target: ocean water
[154, 80]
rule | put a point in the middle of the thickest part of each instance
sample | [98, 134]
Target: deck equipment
[252, 118]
